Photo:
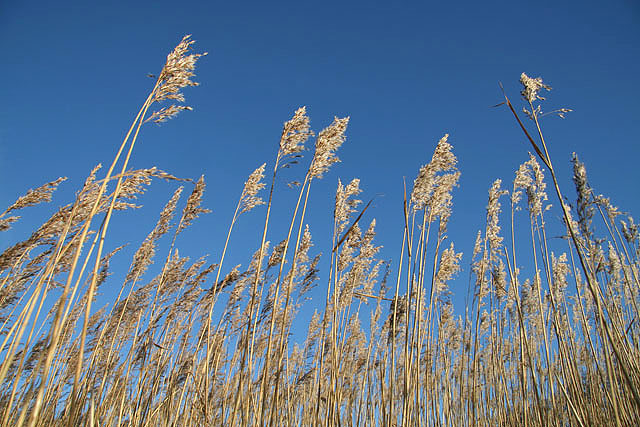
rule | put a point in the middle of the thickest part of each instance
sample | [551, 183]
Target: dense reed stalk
[549, 336]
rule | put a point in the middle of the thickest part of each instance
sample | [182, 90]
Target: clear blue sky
[74, 75]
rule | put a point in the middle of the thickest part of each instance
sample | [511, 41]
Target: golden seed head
[328, 142]
[176, 74]
[531, 87]
[295, 133]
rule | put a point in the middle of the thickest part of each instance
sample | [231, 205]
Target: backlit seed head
[531, 87]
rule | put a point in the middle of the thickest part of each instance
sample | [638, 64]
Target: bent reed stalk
[549, 336]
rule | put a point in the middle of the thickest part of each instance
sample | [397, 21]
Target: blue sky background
[74, 75]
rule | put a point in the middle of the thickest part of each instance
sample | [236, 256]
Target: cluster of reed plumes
[203, 344]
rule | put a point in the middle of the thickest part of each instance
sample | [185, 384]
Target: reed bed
[201, 343]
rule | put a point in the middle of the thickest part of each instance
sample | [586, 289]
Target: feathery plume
[499, 277]
[276, 255]
[254, 184]
[522, 181]
[584, 204]
[295, 133]
[34, 197]
[536, 191]
[529, 177]
[5, 223]
[443, 160]
[449, 267]
[531, 87]
[192, 209]
[630, 231]
[345, 204]
[327, 143]
[531, 93]
[561, 270]
[145, 253]
[176, 74]
[493, 213]
[441, 200]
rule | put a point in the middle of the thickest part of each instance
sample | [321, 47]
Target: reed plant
[202, 343]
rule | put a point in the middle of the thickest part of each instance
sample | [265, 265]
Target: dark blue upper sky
[74, 75]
